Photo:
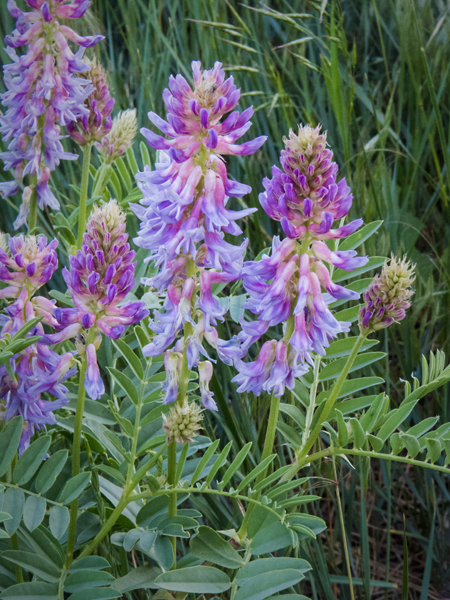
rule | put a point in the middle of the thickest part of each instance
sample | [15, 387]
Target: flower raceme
[184, 216]
[285, 288]
[43, 94]
[92, 127]
[27, 263]
[100, 277]
[387, 298]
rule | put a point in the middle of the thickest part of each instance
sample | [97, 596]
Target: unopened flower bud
[121, 136]
[182, 422]
[387, 298]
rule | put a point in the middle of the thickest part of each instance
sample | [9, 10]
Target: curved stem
[328, 452]
[331, 400]
[76, 459]
[267, 451]
[82, 214]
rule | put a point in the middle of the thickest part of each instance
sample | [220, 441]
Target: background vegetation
[376, 75]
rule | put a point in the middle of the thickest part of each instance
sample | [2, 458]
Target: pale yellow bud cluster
[182, 422]
[117, 141]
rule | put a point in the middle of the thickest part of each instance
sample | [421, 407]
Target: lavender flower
[184, 215]
[387, 298]
[100, 277]
[38, 369]
[43, 94]
[92, 127]
[285, 288]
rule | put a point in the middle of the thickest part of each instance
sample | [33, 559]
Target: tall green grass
[375, 73]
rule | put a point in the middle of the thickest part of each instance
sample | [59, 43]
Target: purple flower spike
[184, 217]
[43, 94]
[94, 126]
[286, 287]
[100, 277]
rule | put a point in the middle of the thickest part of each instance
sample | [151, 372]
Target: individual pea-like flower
[92, 127]
[100, 277]
[388, 296]
[120, 137]
[182, 422]
[185, 215]
[205, 372]
[43, 94]
[292, 286]
[37, 370]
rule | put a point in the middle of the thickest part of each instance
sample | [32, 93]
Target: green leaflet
[196, 580]
[210, 546]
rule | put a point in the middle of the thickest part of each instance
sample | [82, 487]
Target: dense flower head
[182, 422]
[305, 196]
[100, 277]
[184, 206]
[120, 136]
[37, 370]
[184, 218]
[292, 285]
[92, 127]
[43, 94]
[388, 296]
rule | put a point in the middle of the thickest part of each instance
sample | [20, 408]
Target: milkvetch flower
[286, 286]
[100, 277]
[185, 215]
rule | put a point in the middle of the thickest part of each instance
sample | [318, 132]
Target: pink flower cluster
[37, 370]
[286, 287]
[100, 277]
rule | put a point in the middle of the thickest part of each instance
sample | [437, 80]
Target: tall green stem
[76, 458]
[171, 471]
[82, 214]
[329, 405]
[267, 451]
[344, 536]
[32, 215]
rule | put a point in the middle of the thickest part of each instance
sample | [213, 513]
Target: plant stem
[76, 458]
[329, 404]
[267, 451]
[82, 214]
[17, 568]
[171, 471]
[344, 537]
[32, 215]
[107, 526]
[127, 497]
